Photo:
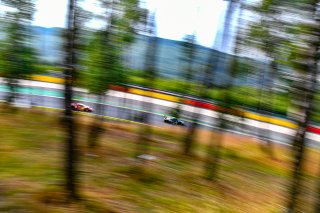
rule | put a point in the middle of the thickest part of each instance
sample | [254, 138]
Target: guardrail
[188, 100]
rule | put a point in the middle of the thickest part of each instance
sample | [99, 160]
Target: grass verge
[32, 156]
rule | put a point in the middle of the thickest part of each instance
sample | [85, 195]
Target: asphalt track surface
[123, 107]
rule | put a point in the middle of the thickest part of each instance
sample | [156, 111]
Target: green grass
[32, 156]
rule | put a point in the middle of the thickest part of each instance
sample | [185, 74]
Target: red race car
[81, 107]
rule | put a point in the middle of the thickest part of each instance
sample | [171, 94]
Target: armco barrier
[47, 79]
[154, 94]
[188, 101]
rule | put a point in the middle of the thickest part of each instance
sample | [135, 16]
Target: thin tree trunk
[215, 146]
[308, 90]
[299, 143]
[125, 100]
[190, 136]
[11, 96]
[203, 91]
[121, 107]
[214, 152]
[150, 74]
[188, 140]
[298, 155]
[145, 131]
[96, 128]
[266, 101]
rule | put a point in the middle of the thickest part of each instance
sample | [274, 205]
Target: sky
[175, 18]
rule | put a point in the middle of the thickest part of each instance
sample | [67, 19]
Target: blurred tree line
[17, 57]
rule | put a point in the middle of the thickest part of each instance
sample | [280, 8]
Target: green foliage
[265, 5]
[104, 65]
[128, 22]
[17, 57]
[104, 61]
[17, 61]
[243, 68]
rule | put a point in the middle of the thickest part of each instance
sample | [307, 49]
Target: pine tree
[104, 62]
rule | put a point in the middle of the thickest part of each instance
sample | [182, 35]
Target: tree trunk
[214, 152]
[298, 148]
[11, 96]
[71, 154]
[145, 131]
[189, 137]
[150, 74]
[96, 128]
[215, 146]
[298, 155]
[307, 95]
[266, 101]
